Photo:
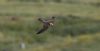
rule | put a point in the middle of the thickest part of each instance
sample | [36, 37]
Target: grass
[49, 9]
[83, 43]
[79, 18]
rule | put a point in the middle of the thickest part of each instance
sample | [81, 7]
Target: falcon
[46, 24]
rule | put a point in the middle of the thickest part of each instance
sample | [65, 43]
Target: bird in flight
[46, 24]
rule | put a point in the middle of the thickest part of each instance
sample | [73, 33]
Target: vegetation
[77, 26]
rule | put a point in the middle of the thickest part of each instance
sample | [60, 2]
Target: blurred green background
[77, 26]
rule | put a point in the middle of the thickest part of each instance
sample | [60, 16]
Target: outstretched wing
[42, 30]
[41, 20]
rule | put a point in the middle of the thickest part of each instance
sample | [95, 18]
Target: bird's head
[53, 17]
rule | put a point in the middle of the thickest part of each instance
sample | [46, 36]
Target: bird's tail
[42, 30]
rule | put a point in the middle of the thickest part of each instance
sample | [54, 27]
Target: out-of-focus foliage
[77, 18]
[74, 25]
